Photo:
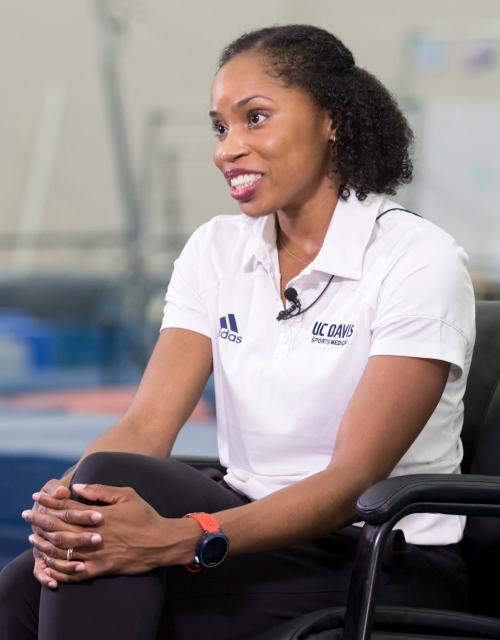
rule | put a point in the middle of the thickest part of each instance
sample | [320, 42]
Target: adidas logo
[230, 333]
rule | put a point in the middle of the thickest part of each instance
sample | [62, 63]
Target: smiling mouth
[244, 180]
[244, 186]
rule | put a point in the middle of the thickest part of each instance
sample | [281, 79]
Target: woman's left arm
[393, 400]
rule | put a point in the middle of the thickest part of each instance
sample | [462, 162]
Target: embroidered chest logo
[334, 334]
[229, 333]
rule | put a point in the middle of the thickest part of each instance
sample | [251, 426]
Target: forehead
[244, 75]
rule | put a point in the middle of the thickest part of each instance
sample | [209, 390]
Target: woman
[340, 330]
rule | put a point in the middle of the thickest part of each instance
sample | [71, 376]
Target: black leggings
[240, 599]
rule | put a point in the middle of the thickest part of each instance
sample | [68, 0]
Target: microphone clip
[295, 309]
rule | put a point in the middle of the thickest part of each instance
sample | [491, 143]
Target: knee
[103, 467]
[16, 580]
[117, 468]
[147, 475]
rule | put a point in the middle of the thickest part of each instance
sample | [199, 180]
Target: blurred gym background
[105, 165]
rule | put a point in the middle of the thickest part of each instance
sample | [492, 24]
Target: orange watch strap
[207, 522]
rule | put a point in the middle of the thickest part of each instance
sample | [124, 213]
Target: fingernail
[52, 584]
[96, 516]
[36, 495]
[80, 567]
[31, 538]
[26, 514]
[96, 539]
[79, 487]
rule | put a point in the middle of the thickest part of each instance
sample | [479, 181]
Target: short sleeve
[184, 307]
[425, 306]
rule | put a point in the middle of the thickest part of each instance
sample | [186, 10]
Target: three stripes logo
[229, 333]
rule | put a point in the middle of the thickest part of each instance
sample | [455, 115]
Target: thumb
[99, 493]
[61, 492]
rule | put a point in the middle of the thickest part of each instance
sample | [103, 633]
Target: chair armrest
[384, 504]
[430, 493]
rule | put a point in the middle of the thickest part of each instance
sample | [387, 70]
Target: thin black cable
[285, 314]
[397, 209]
[314, 301]
[290, 313]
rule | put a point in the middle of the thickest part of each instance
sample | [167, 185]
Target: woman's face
[273, 141]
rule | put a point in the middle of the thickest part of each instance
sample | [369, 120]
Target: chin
[252, 210]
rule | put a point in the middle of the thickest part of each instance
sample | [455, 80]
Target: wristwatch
[212, 547]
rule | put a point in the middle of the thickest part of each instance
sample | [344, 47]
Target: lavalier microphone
[296, 309]
[292, 296]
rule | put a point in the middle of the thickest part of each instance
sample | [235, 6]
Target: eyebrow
[242, 103]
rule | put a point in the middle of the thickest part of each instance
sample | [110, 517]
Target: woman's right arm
[169, 390]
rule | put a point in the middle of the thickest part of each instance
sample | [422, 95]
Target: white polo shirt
[400, 287]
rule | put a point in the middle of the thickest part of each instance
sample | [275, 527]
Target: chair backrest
[481, 439]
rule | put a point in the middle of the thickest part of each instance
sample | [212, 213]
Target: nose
[232, 147]
[231, 155]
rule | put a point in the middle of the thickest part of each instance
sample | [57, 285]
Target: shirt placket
[287, 331]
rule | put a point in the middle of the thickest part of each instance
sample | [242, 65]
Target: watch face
[214, 549]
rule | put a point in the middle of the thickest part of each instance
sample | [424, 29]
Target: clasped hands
[126, 536]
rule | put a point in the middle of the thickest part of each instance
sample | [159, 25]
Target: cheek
[281, 154]
[217, 158]
[297, 155]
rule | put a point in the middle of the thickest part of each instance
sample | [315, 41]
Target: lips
[243, 183]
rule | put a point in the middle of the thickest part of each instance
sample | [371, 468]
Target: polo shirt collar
[262, 241]
[345, 242]
[347, 237]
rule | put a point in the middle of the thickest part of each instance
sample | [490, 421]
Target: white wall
[168, 59]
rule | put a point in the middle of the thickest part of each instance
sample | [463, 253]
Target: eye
[255, 118]
[219, 129]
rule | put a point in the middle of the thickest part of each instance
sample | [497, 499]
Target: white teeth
[245, 179]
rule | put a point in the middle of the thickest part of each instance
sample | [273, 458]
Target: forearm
[395, 398]
[308, 509]
[170, 388]
[127, 436]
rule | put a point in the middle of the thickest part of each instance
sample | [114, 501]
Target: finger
[81, 518]
[54, 547]
[52, 502]
[63, 566]
[46, 548]
[39, 571]
[102, 493]
[70, 511]
[46, 522]
[64, 541]
[60, 492]
[56, 488]
[58, 576]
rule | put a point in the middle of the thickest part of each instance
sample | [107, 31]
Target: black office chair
[476, 494]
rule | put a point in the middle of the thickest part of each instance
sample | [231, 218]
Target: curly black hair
[373, 138]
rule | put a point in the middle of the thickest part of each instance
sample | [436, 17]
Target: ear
[330, 128]
[333, 132]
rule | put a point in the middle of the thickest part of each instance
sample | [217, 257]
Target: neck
[303, 230]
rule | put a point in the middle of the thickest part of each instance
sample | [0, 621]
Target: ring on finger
[69, 554]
